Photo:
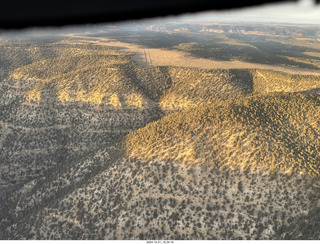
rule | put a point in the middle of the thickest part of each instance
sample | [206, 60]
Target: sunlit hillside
[83, 73]
[276, 132]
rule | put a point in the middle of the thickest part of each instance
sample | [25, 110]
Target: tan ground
[162, 57]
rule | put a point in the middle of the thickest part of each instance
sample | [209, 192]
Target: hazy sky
[304, 11]
[301, 12]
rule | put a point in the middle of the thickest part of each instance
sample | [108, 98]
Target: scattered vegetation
[265, 81]
[132, 199]
[234, 153]
[278, 132]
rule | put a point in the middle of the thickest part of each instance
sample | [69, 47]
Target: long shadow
[7, 208]
[313, 92]
[243, 79]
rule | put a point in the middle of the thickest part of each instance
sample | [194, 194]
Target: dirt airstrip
[161, 57]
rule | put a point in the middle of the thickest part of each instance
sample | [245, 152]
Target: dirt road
[161, 57]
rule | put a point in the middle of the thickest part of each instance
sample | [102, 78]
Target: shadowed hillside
[59, 108]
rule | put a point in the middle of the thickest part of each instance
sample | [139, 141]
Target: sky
[301, 12]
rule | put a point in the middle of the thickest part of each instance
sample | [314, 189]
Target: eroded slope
[59, 108]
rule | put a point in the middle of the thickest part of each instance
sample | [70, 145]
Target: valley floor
[161, 57]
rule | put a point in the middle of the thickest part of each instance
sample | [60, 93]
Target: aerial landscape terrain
[159, 130]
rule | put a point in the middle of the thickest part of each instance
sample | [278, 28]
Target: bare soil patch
[161, 57]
